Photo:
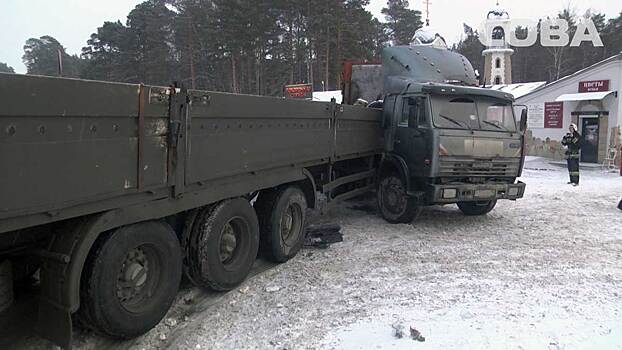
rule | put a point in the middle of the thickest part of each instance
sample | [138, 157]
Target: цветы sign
[594, 86]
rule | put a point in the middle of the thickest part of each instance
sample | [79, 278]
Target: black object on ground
[620, 205]
[416, 335]
[321, 236]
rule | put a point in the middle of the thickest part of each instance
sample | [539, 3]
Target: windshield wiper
[454, 121]
[496, 125]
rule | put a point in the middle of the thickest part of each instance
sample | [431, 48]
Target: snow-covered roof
[326, 96]
[429, 36]
[518, 90]
[498, 13]
[614, 58]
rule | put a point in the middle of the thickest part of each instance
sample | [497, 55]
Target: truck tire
[222, 245]
[282, 222]
[393, 201]
[130, 279]
[477, 208]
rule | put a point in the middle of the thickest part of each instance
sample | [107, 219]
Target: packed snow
[543, 272]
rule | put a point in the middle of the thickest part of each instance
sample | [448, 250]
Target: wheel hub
[393, 196]
[228, 243]
[133, 276]
[291, 222]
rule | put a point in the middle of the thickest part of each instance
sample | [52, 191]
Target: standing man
[572, 141]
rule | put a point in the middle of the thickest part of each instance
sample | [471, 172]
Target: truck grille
[478, 167]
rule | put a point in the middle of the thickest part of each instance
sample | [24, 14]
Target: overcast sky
[72, 21]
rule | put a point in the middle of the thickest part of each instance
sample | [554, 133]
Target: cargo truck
[446, 140]
[114, 191]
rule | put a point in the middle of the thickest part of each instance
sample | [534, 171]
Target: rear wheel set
[130, 279]
[132, 274]
[221, 246]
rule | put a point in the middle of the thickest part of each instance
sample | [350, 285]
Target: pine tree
[46, 56]
[402, 22]
[4, 68]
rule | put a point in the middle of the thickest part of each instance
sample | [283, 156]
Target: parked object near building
[589, 98]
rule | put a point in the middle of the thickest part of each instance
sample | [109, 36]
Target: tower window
[498, 63]
[498, 33]
[497, 80]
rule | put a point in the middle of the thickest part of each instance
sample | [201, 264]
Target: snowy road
[544, 272]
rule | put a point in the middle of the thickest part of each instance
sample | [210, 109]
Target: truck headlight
[449, 193]
[513, 191]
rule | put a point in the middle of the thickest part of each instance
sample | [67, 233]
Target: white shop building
[589, 98]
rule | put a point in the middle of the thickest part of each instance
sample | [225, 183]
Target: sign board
[594, 86]
[535, 116]
[553, 115]
[299, 91]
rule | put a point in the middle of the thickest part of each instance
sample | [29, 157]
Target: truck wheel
[395, 205]
[130, 279]
[282, 221]
[222, 245]
[477, 208]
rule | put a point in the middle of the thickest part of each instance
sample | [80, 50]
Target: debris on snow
[321, 236]
[272, 288]
[170, 322]
[398, 330]
[416, 335]
[162, 337]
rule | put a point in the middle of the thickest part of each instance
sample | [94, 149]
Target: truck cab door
[412, 140]
[389, 122]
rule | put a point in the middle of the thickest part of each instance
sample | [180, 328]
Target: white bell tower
[498, 54]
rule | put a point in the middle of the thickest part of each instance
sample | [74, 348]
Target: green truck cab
[446, 140]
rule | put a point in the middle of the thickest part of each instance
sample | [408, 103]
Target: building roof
[617, 57]
[585, 96]
[518, 90]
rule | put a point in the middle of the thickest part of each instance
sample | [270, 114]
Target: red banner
[594, 86]
[299, 91]
[553, 115]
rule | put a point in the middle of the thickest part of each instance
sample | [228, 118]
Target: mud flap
[54, 324]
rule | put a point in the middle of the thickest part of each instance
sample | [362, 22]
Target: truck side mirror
[523, 120]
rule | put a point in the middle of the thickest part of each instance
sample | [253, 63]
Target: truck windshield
[455, 113]
[467, 113]
[496, 115]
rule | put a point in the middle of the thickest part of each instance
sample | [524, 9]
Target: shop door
[589, 148]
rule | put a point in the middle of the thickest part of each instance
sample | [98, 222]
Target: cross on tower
[427, 4]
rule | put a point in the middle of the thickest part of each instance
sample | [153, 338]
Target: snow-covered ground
[544, 272]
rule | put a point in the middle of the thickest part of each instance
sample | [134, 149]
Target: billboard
[553, 115]
[535, 116]
[301, 91]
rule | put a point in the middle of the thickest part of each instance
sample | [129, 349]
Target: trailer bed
[73, 147]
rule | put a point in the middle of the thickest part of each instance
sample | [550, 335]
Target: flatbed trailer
[114, 189]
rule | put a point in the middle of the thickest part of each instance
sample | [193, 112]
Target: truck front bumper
[440, 194]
